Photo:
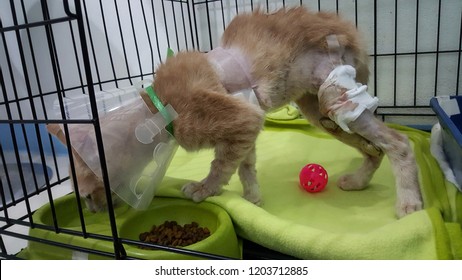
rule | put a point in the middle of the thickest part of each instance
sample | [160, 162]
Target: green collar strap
[161, 108]
[156, 101]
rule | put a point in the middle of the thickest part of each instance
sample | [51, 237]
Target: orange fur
[90, 187]
[290, 59]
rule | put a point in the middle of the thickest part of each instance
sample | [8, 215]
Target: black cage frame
[130, 33]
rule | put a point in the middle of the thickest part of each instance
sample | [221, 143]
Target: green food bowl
[130, 223]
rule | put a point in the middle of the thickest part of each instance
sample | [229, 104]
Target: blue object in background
[29, 133]
[34, 174]
[448, 110]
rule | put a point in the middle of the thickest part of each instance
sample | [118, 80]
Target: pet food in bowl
[222, 239]
[170, 233]
[209, 218]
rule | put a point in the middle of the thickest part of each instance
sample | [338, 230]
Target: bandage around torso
[232, 67]
[234, 70]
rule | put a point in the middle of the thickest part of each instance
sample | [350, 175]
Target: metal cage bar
[82, 48]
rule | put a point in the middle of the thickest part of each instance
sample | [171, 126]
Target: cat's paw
[197, 191]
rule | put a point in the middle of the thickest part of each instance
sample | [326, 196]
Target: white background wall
[166, 23]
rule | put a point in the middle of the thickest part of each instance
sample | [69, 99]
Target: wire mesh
[55, 49]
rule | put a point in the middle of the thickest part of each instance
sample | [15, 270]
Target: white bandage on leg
[349, 105]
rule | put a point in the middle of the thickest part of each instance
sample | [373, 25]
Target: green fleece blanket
[332, 224]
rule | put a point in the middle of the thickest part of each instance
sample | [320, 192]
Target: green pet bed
[332, 224]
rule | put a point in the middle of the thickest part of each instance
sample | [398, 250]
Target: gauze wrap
[349, 105]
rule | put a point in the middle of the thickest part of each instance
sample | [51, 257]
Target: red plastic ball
[313, 178]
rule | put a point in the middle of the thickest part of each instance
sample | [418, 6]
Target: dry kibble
[170, 233]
